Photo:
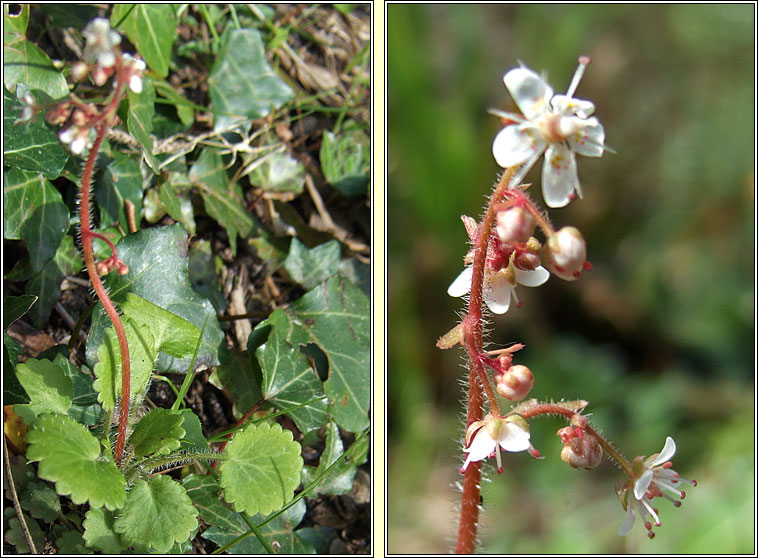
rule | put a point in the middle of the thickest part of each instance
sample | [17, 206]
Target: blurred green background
[659, 336]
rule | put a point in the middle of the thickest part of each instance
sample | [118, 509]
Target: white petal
[531, 93]
[628, 523]
[570, 105]
[135, 84]
[559, 178]
[668, 451]
[77, 146]
[106, 59]
[514, 438]
[532, 277]
[642, 484]
[514, 144]
[589, 140]
[497, 292]
[462, 283]
[481, 446]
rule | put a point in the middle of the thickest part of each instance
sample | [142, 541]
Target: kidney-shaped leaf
[156, 514]
[262, 470]
[159, 431]
[69, 456]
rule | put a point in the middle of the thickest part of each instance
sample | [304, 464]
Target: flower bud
[514, 225]
[565, 253]
[79, 70]
[516, 383]
[579, 450]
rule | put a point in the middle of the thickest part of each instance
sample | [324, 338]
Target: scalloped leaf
[158, 272]
[71, 542]
[335, 316]
[262, 470]
[14, 533]
[108, 370]
[156, 514]
[70, 457]
[99, 533]
[49, 389]
[159, 431]
[41, 501]
[241, 82]
[309, 267]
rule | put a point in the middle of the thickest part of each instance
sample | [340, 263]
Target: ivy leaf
[150, 27]
[241, 82]
[262, 470]
[46, 285]
[71, 542]
[70, 457]
[238, 378]
[99, 533]
[205, 494]
[16, 306]
[276, 530]
[13, 392]
[172, 334]
[288, 379]
[108, 369]
[222, 198]
[346, 159]
[278, 172]
[41, 501]
[340, 478]
[34, 212]
[158, 272]
[157, 514]
[49, 389]
[159, 431]
[68, 258]
[32, 146]
[84, 406]
[335, 316]
[25, 62]
[309, 267]
[203, 276]
[121, 181]
[140, 121]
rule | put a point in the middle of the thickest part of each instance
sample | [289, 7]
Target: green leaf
[158, 431]
[16, 24]
[262, 470]
[46, 285]
[223, 199]
[121, 181]
[346, 159]
[278, 172]
[193, 432]
[34, 212]
[84, 406]
[241, 83]
[205, 493]
[32, 146]
[335, 316]
[184, 109]
[156, 514]
[357, 273]
[289, 380]
[70, 457]
[238, 378]
[178, 205]
[309, 267]
[14, 534]
[13, 392]
[275, 531]
[71, 542]
[108, 369]
[69, 15]
[49, 389]
[269, 248]
[140, 121]
[41, 501]
[16, 306]
[340, 478]
[158, 272]
[203, 274]
[99, 533]
[67, 257]
[24, 62]
[172, 334]
[150, 27]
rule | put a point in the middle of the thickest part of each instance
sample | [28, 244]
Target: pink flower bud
[516, 383]
[580, 450]
[565, 253]
[514, 225]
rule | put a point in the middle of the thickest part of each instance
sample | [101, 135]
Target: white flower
[556, 125]
[656, 479]
[491, 434]
[499, 286]
[135, 66]
[100, 42]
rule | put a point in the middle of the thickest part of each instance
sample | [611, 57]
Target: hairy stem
[469, 514]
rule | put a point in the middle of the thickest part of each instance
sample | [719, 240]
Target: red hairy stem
[107, 120]
[469, 515]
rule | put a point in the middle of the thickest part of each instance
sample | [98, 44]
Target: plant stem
[102, 294]
[469, 515]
